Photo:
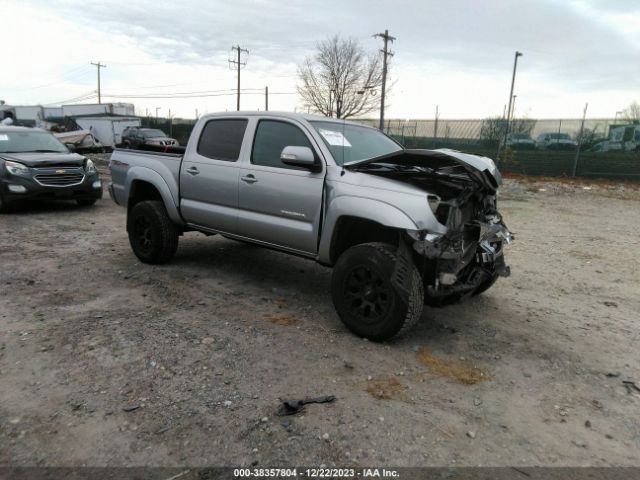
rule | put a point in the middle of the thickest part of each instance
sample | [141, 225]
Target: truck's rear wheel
[152, 234]
[365, 297]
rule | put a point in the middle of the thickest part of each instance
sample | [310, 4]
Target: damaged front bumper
[462, 260]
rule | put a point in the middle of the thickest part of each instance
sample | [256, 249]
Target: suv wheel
[4, 205]
[152, 234]
[365, 298]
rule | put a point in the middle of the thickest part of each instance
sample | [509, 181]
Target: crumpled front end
[461, 191]
[469, 256]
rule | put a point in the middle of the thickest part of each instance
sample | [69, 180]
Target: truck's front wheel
[152, 234]
[365, 298]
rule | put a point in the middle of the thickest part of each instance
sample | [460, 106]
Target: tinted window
[222, 139]
[271, 138]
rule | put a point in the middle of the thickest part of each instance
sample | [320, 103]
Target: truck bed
[166, 165]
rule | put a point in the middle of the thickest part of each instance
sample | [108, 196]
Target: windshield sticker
[335, 138]
[4, 138]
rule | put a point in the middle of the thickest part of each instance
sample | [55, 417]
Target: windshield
[351, 144]
[153, 133]
[22, 141]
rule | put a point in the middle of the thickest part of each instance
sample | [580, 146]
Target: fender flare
[364, 208]
[152, 177]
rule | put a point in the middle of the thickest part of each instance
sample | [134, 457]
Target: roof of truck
[289, 115]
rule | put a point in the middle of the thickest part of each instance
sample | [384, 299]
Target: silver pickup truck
[401, 228]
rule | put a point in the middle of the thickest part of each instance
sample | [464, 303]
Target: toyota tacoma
[401, 228]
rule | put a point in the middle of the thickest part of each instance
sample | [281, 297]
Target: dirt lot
[106, 361]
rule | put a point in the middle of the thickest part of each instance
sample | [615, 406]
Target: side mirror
[298, 157]
[71, 147]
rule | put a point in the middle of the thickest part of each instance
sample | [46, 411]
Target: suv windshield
[22, 141]
[351, 144]
[153, 133]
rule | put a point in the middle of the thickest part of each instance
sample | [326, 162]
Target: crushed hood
[481, 169]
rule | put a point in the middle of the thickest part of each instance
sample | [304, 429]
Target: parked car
[136, 137]
[400, 228]
[35, 164]
[556, 141]
[83, 141]
[520, 141]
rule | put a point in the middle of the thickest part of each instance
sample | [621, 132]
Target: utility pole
[575, 161]
[435, 128]
[513, 81]
[513, 108]
[99, 66]
[387, 38]
[238, 64]
[266, 99]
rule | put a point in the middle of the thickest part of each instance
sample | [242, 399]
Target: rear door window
[222, 139]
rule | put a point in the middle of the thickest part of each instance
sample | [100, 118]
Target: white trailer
[98, 109]
[107, 129]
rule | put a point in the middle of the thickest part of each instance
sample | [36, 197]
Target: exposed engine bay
[461, 190]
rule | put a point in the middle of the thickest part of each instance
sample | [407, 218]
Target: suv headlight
[90, 168]
[15, 168]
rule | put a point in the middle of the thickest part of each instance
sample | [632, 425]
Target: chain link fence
[603, 147]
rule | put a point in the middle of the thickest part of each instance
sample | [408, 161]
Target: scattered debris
[613, 375]
[461, 371]
[587, 424]
[131, 408]
[610, 304]
[385, 389]
[325, 437]
[471, 434]
[207, 340]
[630, 386]
[291, 407]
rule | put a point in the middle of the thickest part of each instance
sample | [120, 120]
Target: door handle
[193, 171]
[249, 178]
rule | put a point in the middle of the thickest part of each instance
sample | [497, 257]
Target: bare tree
[631, 114]
[341, 80]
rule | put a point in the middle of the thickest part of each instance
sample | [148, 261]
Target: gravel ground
[105, 361]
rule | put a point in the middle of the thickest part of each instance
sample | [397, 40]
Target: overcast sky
[456, 54]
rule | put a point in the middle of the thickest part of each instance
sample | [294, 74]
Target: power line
[85, 96]
[239, 64]
[201, 95]
[99, 66]
[387, 38]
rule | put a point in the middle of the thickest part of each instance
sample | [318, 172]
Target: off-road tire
[352, 298]
[86, 202]
[152, 234]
